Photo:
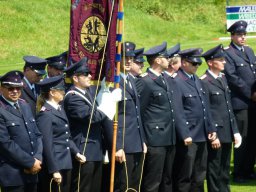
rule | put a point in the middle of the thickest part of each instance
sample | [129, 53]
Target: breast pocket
[216, 97]
[242, 67]
[190, 99]
[13, 128]
[158, 97]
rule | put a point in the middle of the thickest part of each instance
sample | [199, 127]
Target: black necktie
[16, 106]
[221, 81]
[192, 77]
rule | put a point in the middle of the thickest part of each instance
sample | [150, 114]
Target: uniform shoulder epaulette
[203, 76]
[22, 100]
[174, 75]
[144, 74]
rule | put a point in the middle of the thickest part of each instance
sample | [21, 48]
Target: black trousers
[134, 169]
[31, 187]
[250, 144]
[240, 153]
[90, 176]
[190, 167]
[218, 168]
[45, 180]
[157, 176]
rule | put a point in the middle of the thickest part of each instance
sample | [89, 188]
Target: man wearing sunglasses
[191, 160]
[20, 140]
[240, 70]
[33, 70]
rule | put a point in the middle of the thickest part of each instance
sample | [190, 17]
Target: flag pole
[115, 123]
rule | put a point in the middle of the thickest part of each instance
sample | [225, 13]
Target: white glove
[81, 158]
[238, 140]
[107, 100]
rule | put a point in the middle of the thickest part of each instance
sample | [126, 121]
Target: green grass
[42, 28]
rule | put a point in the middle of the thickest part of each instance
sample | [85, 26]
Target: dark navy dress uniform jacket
[20, 143]
[241, 75]
[195, 106]
[78, 111]
[156, 110]
[134, 135]
[57, 142]
[221, 109]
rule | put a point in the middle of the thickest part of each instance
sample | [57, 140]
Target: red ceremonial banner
[89, 25]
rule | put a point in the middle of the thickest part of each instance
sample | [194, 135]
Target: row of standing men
[173, 126]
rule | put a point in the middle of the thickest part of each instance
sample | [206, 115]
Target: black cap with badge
[238, 27]
[37, 64]
[139, 55]
[128, 49]
[50, 83]
[58, 61]
[80, 67]
[173, 50]
[157, 51]
[12, 79]
[216, 52]
[192, 55]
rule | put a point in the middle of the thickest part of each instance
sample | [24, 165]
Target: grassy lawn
[42, 28]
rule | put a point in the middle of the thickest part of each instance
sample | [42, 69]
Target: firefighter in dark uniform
[191, 161]
[57, 143]
[130, 138]
[33, 70]
[56, 64]
[241, 75]
[78, 105]
[20, 141]
[223, 118]
[158, 122]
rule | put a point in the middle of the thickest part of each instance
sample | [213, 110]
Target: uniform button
[204, 109]
[138, 127]
[251, 65]
[67, 140]
[172, 110]
[66, 132]
[157, 127]
[227, 101]
[138, 116]
[187, 122]
[136, 107]
[202, 102]
[26, 123]
[32, 142]
[217, 93]
[190, 95]
[159, 94]
[32, 153]
[204, 117]
[254, 72]
[29, 132]
[216, 125]
[173, 120]
[13, 124]
[66, 125]
[242, 64]
[231, 120]
[229, 110]
[170, 101]
[67, 148]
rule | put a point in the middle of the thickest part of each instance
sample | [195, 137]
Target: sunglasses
[196, 64]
